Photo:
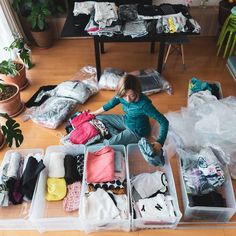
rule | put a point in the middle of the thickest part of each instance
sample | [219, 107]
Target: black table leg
[97, 56]
[102, 47]
[152, 49]
[161, 56]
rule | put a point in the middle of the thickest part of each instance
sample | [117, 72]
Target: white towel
[56, 167]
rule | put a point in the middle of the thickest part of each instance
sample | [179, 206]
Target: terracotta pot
[20, 80]
[43, 39]
[13, 105]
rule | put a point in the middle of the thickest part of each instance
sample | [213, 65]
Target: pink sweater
[100, 165]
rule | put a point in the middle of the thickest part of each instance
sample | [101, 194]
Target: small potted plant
[40, 29]
[10, 132]
[13, 72]
[19, 50]
[10, 101]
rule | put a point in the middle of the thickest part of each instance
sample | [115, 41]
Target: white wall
[194, 2]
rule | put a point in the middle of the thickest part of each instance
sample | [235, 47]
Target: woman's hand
[156, 146]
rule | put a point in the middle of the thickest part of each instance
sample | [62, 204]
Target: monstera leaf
[12, 132]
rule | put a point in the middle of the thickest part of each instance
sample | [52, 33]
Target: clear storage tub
[45, 215]
[16, 217]
[209, 214]
[138, 165]
[109, 224]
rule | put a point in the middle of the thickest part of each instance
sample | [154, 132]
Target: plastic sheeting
[210, 124]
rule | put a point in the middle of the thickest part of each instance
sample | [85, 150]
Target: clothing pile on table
[84, 128]
[51, 105]
[204, 177]
[150, 197]
[105, 197]
[201, 92]
[18, 178]
[65, 174]
[135, 20]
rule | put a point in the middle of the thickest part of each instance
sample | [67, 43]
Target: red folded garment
[83, 133]
[81, 118]
[100, 165]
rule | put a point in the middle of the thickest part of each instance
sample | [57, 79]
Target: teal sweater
[137, 116]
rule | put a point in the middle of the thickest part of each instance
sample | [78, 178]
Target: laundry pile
[135, 20]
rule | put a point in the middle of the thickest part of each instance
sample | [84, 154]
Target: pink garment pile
[100, 165]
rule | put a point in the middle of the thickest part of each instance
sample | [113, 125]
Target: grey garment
[4, 199]
[128, 12]
[118, 161]
[137, 28]
[135, 195]
[94, 140]
[155, 159]
[120, 133]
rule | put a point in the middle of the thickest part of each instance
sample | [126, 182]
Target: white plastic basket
[209, 214]
[48, 216]
[138, 165]
[109, 224]
[16, 217]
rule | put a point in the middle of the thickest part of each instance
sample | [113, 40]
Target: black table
[69, 30]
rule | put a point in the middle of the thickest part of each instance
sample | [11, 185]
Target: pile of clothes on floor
[105, 197]
[64, 180]
[85, 128]
[52, 104]
[135, 20]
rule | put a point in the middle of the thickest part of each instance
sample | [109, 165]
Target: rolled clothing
[71, 172]
[56, 167]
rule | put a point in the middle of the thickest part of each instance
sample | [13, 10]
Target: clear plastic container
[138, 165]
[16, 217]
[45, 215]
[109, 224]
[209, 214]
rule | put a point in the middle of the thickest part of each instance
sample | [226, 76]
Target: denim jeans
[119, 132]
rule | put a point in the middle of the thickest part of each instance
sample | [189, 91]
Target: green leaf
[12, 132]
[41, 23]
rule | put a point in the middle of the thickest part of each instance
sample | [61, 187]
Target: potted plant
[10, 101]
[13, 72]
[10, 132]
[40, 29]
[19, 50]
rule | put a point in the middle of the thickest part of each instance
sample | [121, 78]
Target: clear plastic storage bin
[109, 224]
[138, 165]
[45, 215]
[16, 217]
[209, 214]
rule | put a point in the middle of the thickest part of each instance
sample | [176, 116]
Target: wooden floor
[61, 62]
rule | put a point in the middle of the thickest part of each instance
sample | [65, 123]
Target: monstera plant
[11, 131]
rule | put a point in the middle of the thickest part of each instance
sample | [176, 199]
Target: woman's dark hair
[128, 82]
